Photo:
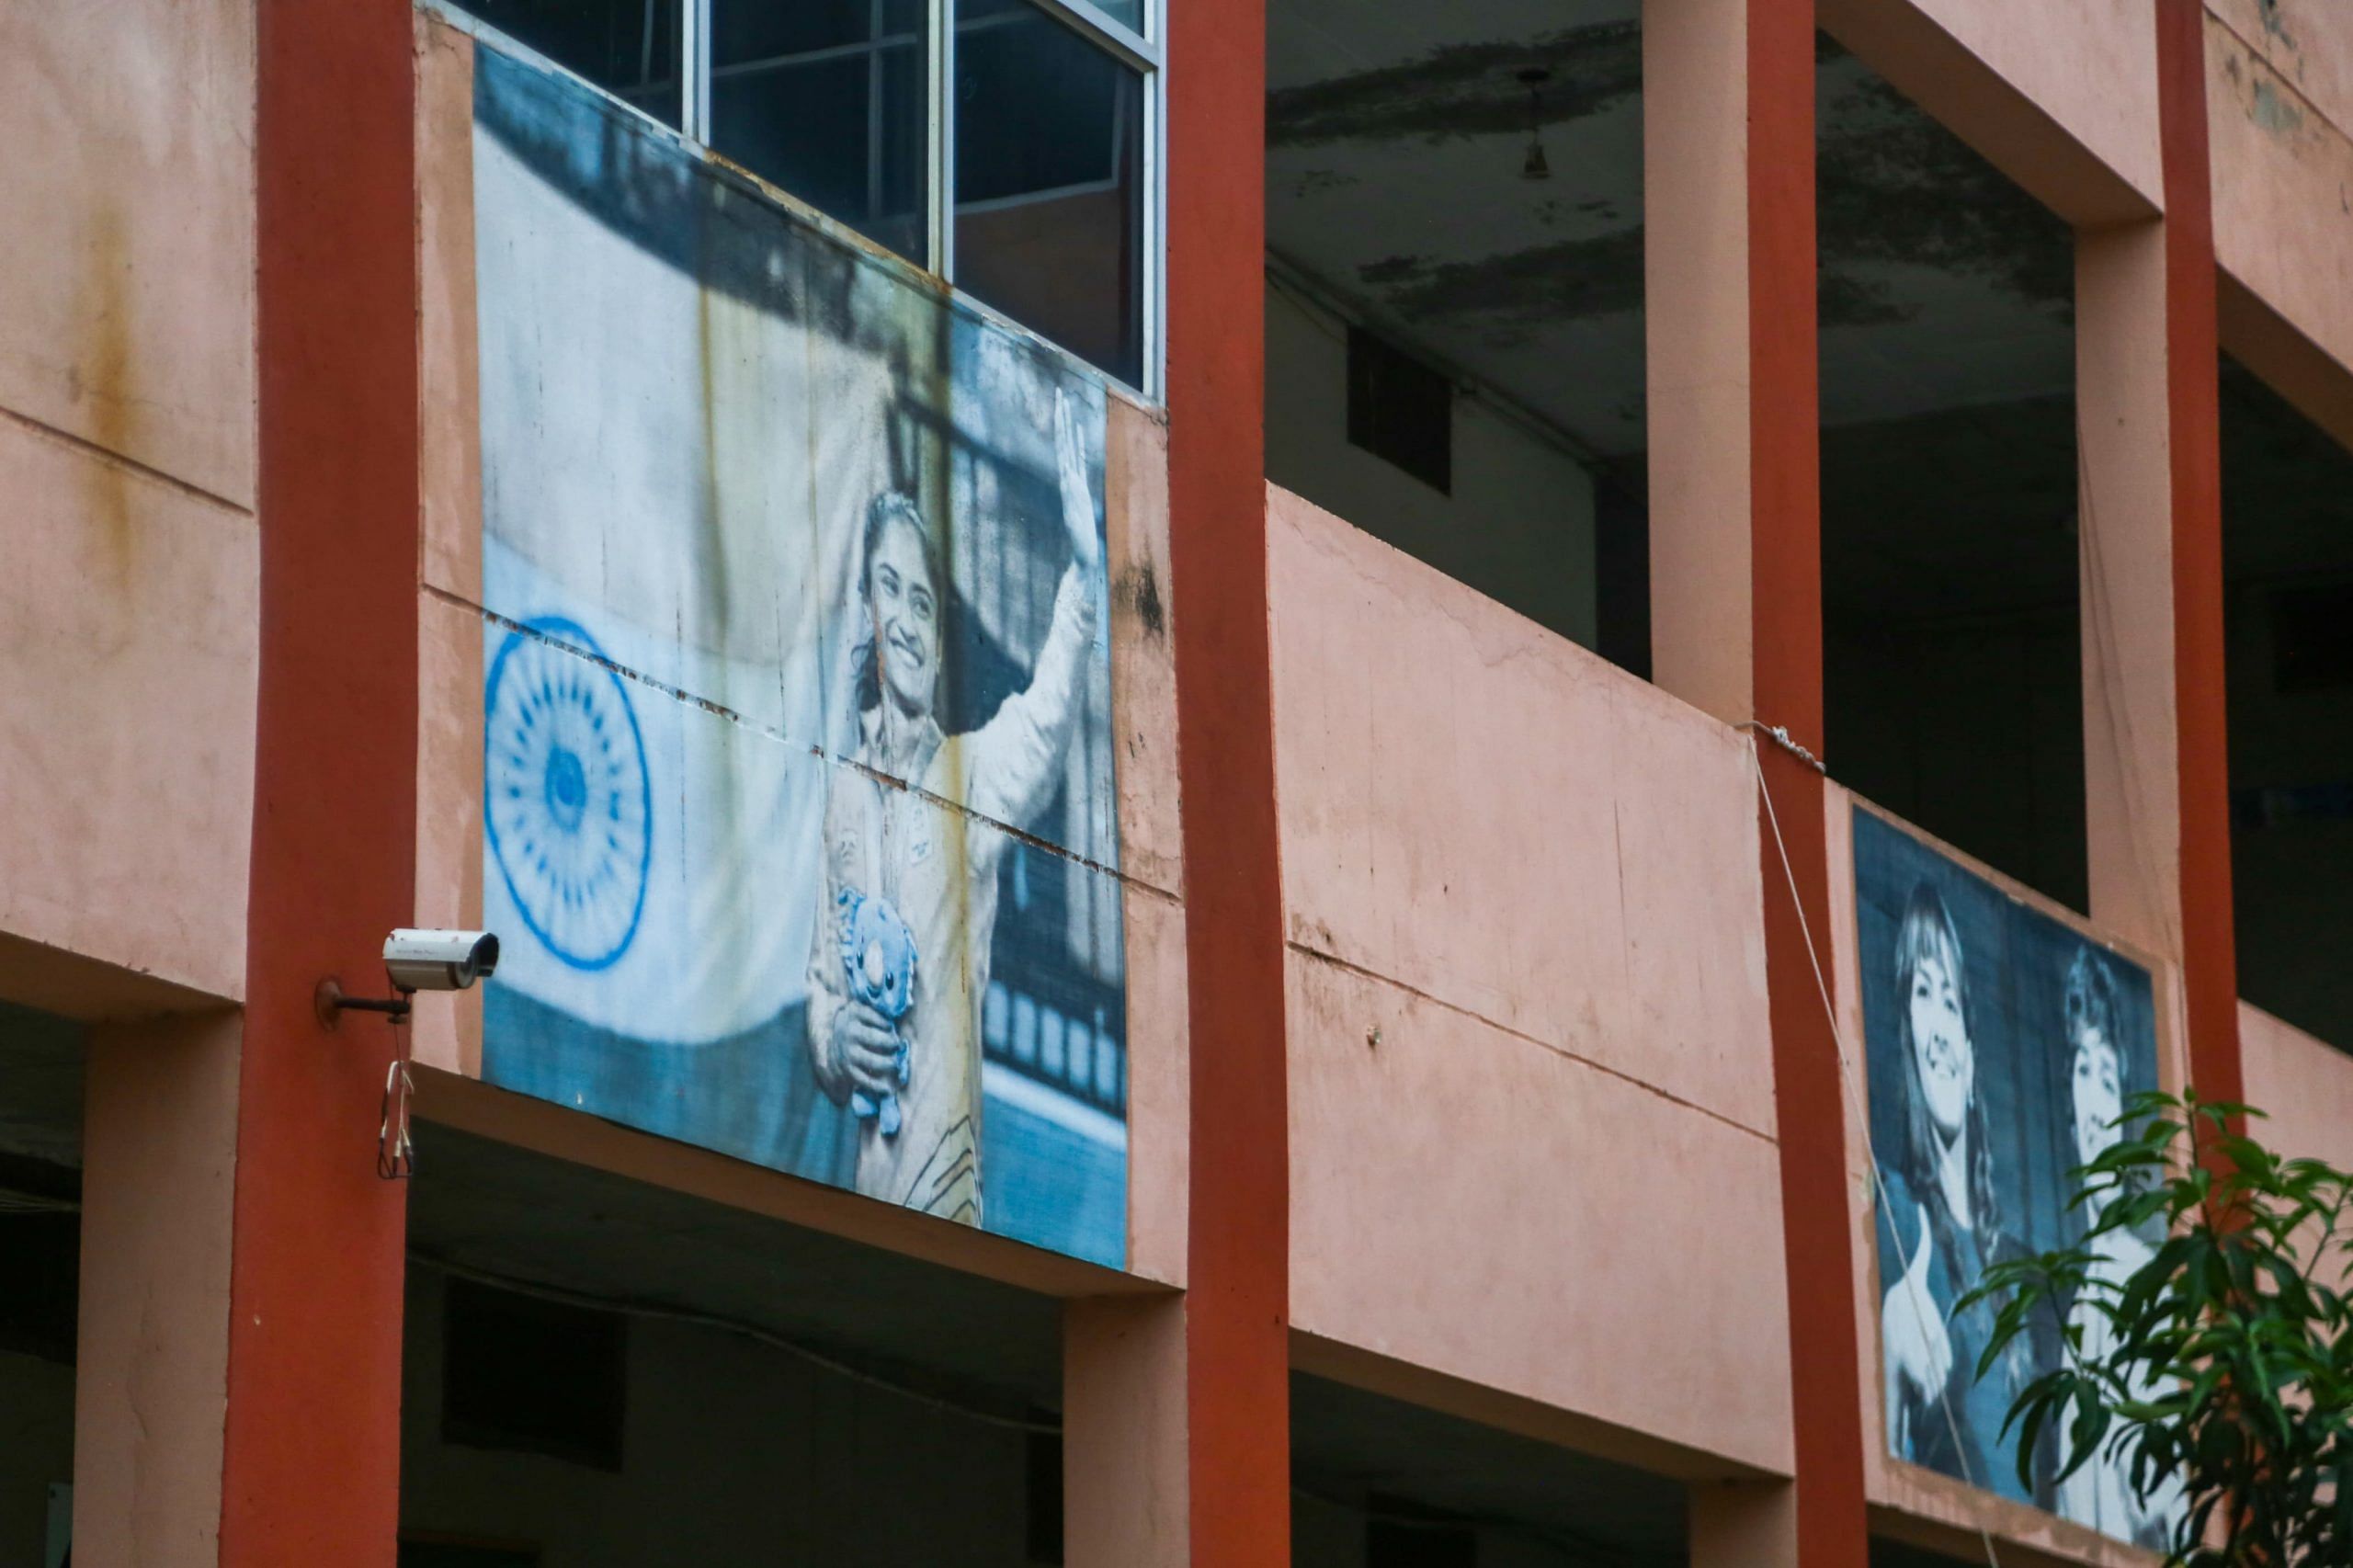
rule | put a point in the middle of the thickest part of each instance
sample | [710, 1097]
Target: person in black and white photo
[1941, 1223]
[2100, 1493]
[908, 902]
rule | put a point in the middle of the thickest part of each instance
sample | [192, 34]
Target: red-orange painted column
[1733, 399]
[1785, 569]
[2208, 957]
[1236, 1347]
[311, 1465]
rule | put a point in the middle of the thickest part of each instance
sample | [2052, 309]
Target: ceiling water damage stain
[1394, 269]
[1595, 276]
[1314, 182]
[1464, 90]
[1512, 295]
[1894, 190]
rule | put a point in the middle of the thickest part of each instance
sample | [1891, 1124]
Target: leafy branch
[2213, 1364]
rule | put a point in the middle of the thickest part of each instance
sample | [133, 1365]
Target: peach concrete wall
[2309, 43]
[159, 1150]
[1480, 810]
[1531, 1083]
[127, 611]
[2283, 183]
[1152, 855]
[128, 627]
[126, 264]
[1697, 383]
[1124, 1461]
[2124, 552]
[448, 1027]
[2090, 65]
[2304, 1085]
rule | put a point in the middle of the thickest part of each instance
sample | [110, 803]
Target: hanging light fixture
[1534, 166]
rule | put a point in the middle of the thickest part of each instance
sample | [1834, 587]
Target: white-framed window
[1012, 147]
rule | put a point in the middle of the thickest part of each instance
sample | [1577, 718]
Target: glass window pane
[1127, 13]
[825, 98]
[1049, 181]
[629, 48]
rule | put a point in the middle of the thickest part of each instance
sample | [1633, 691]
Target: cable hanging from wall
[1860, 1109]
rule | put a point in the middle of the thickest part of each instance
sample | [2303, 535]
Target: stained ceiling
[1397, 135]
[1397, 139]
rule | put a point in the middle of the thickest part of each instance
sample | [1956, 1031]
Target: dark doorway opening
[2287, 569]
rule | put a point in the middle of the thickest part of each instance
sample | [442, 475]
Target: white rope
[1861, 1108]
[1779, 736]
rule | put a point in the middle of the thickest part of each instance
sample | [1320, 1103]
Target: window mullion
[940, 185]
[694, 69]
[1154, 196]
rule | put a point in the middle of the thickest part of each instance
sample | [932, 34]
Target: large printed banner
[800, 820]
[2002, 1046]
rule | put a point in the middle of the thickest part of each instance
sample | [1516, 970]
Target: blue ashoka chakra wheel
[566, 796]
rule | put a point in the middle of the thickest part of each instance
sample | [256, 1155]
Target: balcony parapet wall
[130, 608]
[1532, 1134]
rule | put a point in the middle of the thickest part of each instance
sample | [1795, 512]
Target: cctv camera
[438, 960]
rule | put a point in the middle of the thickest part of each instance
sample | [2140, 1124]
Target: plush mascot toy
[878, 955]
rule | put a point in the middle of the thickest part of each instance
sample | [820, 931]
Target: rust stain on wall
[102, 383]
[1517, 293]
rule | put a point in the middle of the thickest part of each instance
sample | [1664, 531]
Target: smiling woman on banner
[2101, 1493]
[1940, 1225]
[907, 905]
